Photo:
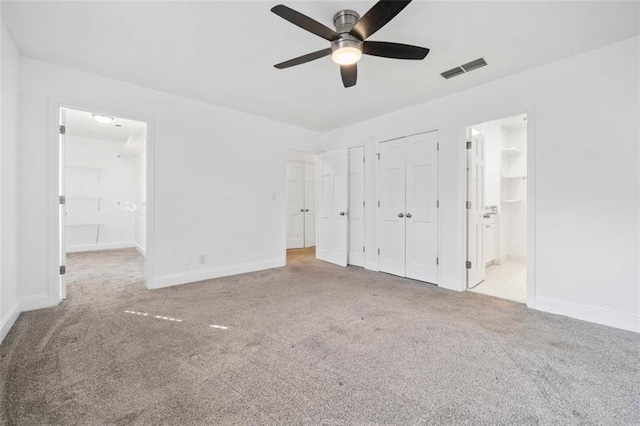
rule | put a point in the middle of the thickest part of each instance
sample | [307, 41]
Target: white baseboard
[207, 274]
[37, 301]
[9, 319]
[96, 247]
[141, 250]
[451, 283]
[589, 313]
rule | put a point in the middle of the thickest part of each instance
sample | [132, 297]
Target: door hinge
[437, 204]
[468, 205]
[363, 249]
[468, 144]
[438, 146]
[62, 200]
[363, 204]
[363, 159]
[378, 155]
[378, 252]
[378, 203]
[468, 264]
[63, 270]
[63, 130]
[437, 260]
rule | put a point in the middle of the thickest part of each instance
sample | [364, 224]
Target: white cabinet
[490, 242]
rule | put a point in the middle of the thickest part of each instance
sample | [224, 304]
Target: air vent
[469, 66]
[452, 72]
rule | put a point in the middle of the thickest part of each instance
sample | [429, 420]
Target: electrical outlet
[203, 259]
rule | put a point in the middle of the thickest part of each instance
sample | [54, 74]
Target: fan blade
[377, 17]
[304, 58]
[304, 22]
[349, 74]
[394, 50]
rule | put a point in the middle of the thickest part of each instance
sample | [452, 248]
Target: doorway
[103, 199]
[497, 208]
[301, 200]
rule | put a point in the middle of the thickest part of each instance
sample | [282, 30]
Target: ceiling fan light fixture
[102, 119]
[346, 55]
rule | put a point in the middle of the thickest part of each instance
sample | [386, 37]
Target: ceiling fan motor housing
[344, 21]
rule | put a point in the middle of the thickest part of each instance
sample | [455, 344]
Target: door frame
[288, 149]
[529, 110]
[54, 243]
[377, 188]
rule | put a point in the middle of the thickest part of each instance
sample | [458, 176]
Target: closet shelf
[511, 151]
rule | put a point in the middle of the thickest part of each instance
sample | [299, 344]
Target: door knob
[408, 214]
[400, 215]
[306, 210]
[342, 213]
[302, 210]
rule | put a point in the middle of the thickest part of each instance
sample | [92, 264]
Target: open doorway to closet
[497, 208]
[102, 181]
[301, 203]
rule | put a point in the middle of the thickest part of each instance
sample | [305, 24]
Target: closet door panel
[391, 196]
[295, 205]
[421, 207]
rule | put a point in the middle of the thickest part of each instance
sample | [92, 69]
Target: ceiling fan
[348, 41]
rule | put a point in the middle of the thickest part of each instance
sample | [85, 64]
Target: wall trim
[98, 247]
[141, 250]
[588, 313]
[451, 283]
[207, 274]
[9, 319]
[36, 301]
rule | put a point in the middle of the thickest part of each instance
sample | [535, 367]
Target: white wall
[9, 70]
[584, 113]
[220, 179]
[301, 156]
[98, 168]
[141, 202]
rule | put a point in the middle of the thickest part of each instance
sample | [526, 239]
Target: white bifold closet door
[356, 206]
[333, 203]
[475, 211]
[301, 201]
[408, 209]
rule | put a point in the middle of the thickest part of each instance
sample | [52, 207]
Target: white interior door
[421, 214]
[62, 211]
[391, 208]
[332, 243]
[309, 205]
[295, 205]
[356, 206]
[475, 212]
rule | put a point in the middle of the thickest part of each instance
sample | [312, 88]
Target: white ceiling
[82, 123]
[224, 52]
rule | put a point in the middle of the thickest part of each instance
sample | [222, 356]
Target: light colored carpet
[309, 343]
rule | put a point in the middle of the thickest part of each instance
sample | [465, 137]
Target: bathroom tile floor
[507, 281]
